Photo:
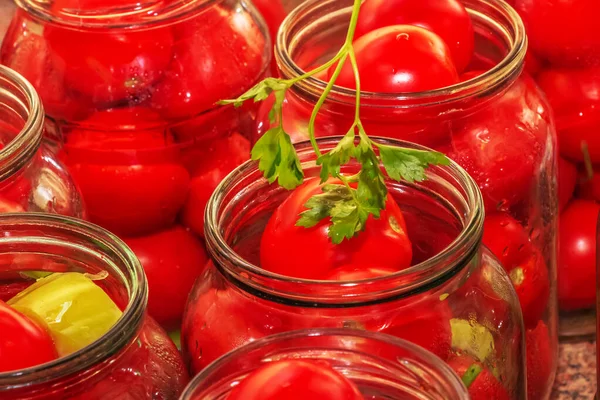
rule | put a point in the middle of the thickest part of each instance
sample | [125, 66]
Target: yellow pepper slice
[73, 309]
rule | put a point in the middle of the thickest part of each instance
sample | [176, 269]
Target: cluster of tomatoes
[564, 58]
[142, 136]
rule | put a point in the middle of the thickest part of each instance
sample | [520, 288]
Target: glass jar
[382, 366]
[134, 359]
[31, 177]
[565, 52]
[6, 11]
[495, 123]
[130, 91]
[455, 300]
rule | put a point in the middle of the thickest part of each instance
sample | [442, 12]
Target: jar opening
[498, 29]
[57, 243]
[380, 365]
[103, 14]
[245, 197]
[21, 122]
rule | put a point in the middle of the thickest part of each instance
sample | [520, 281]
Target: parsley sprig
[349, 203]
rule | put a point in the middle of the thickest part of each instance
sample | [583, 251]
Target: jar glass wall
[130, 92]
[381, 366]
[455, 301]
[31, 176]
[135, 358]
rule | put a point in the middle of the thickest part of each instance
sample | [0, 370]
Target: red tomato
[588, 188]
[427, 326]
[532, 64]
[577, 255]
[573, 95]
[295, 380]
[172, 260]
[218, 55]
[509, 241]
[112, 65]
[309, 253]
[399, 59]
[564, 32]
[540, 352]
[567, 180]
[531, 281]
[502, 157]
[24, 343]
[448, 19]
[131, 180]
[209, 165]
[484, 384]
[30, 55]
[214, 327]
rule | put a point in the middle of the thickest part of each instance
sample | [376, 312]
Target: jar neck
[22, 117]
[57, 243]
[127, 15]
[382, 365]
[245, 193]
[499, 31]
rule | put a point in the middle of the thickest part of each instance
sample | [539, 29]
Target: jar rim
[23, 146]
[119, 335]
[409, 281]
[136, 17]
[414, 350]
[502, 73]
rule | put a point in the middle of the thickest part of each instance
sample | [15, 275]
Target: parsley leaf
[409, 164]
[340, 155]
[259, 92]
[278, 159]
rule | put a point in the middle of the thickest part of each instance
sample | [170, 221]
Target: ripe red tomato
[539, 361]
[112, 65]
[209, 165]
[573, 95]
[24, 343]
[30, 55]
[218, 55]
[172, 260]
[427, 326]
[309, 253]
[509, 241]
[400, 59]
[564, 32]
[132, 180]
[485, 385]
[577, 255]
[567, 180]
[588, 188]
[208, 334]
[532, 64]
[448, 19]
[295, 380]
[530, 279]
[502, 157]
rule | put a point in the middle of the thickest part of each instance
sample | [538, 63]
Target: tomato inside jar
[422, 81]
[130, 95]
[78, 310]
[413, 273]
[325, 364]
